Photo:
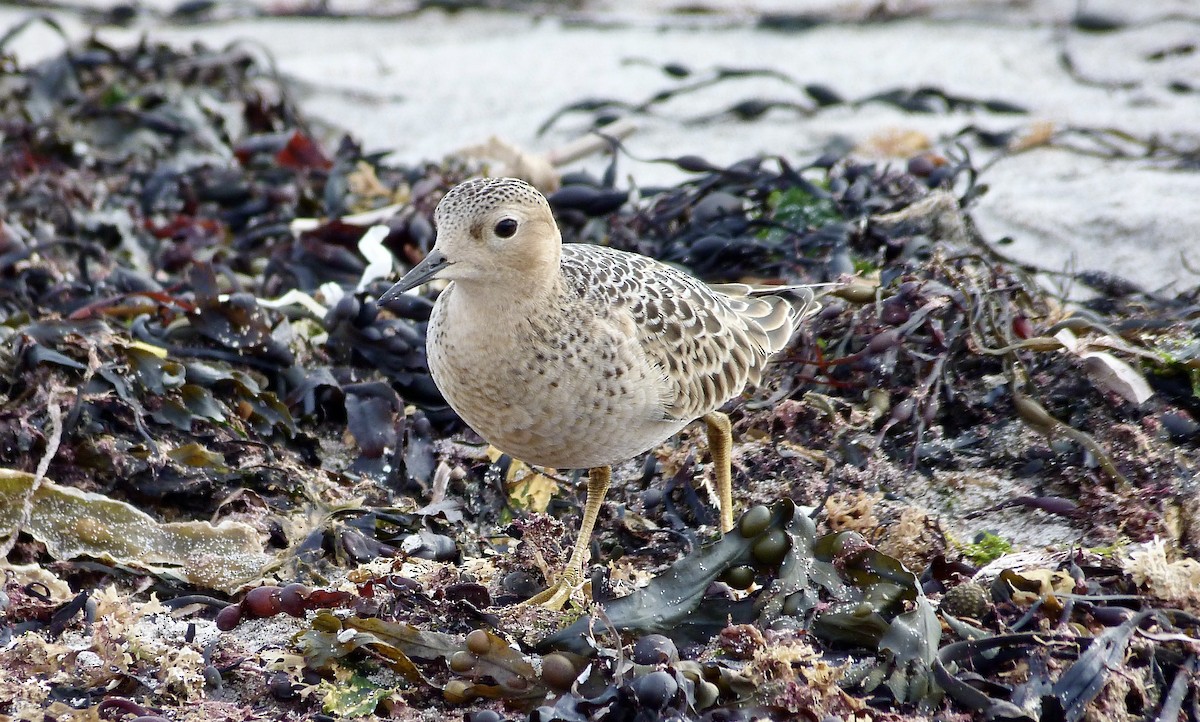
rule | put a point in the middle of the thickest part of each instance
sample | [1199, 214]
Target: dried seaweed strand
[53, 439]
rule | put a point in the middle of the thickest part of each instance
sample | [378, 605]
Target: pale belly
[564, 398]
[572, 435]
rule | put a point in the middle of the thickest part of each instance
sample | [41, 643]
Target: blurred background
[1081, 116]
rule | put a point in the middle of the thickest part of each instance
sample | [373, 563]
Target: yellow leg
[720, 443]
[559, 592]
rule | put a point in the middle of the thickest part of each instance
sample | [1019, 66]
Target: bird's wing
[709, 344]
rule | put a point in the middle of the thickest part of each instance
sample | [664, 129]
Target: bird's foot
[558, 593]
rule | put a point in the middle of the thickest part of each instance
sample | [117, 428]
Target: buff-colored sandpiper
[578, 356]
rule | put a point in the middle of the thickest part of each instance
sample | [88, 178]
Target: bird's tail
[778, 310]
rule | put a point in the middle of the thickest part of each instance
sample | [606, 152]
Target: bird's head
[490, 231]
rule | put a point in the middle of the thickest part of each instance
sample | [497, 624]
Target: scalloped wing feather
[709, 342]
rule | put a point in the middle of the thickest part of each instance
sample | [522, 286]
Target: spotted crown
[479, 196]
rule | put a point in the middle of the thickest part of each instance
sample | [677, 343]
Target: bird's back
[709, 341]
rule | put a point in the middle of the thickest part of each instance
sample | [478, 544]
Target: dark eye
[506, 227]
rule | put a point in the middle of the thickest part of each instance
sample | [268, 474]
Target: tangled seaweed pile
[222, 504]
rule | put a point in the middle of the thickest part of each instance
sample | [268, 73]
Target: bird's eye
[506, 227]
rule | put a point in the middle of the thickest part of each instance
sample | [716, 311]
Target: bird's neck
[502, 299]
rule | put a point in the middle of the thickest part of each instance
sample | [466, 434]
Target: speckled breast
[547, 392]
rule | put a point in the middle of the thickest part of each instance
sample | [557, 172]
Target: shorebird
[576, 356]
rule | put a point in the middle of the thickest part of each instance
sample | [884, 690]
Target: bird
[581, 356]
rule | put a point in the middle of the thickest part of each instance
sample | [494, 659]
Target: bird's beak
[426, 270]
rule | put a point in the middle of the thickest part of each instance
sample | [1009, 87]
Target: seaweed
[232, 489]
